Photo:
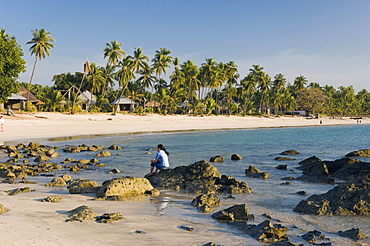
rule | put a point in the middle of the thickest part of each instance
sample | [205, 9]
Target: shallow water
[259, 147]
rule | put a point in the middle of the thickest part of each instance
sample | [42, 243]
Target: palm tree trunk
[29, 85]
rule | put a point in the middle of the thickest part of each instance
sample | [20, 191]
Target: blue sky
[327, 41]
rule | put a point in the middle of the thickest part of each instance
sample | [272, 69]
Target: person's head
[161, 147]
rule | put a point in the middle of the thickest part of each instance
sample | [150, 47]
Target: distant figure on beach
[2, 123]
[320, 122]
[161, 160]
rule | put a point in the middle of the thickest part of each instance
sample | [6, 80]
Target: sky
[327, 41]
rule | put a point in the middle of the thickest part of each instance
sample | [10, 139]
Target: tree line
[211, 88]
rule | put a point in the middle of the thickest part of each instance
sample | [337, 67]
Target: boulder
[53, 199]
[109, 218]
[236, 212]
[344, 199]
[267, 232]
[103, 153]
[217, 158]
[81, 214]
[42, 158]
[17, 191]
[282, 167]
[3, 209]
[124, 187]
[52, 153]
[199, 178]
[211, 200]
[313, 236]
[236, 157]
[80, 186]
[290, 152]
[115, 170]
[57, 181]
[114, 147]
[355, 234]
[254, 172]
[359, 153]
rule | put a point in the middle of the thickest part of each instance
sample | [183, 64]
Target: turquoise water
[259, 147]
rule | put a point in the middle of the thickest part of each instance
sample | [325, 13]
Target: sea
[258, 147]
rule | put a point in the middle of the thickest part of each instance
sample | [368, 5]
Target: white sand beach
[43, 125]
[32, 222]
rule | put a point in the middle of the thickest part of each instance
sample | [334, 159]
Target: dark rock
[313, 236]
[290, 152]
[287, 183]
[115, 170]
[282, 167]
[310, 160]
[267, 232]
[353, 233]
[81, 214]
[236, 212]
[186, 228]
[254, 172]
[344, 199]
[81, 186]
[359, 153]
[206, 201]
[217, 158]
[199, 178]
[42, 158]
[212, 244]
[109, 218]
[316, 172]
[284, 242]
[114, 147]
[53, 199]
[302, 193]
[287, 178]
[236, 157]
[279, 158]
[17, 191]
[103, 153]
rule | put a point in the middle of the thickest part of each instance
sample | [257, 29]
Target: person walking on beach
[160, 162]
[2, 123]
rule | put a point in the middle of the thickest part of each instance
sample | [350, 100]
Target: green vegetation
[11, 65]
[211, 88]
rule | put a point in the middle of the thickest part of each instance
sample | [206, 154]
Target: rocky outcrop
[83, 147]
[198, 178]
[359, 153]
[344, 199]
[103, 153]
[290, 152]
[354, 233]
[17, 191]
[265, 232]
[282, 167]
[315, 236]
[81, 186]
[206, 202]
[52, 199]
[81, 214]
[236, 157]
[109, 218]
[60, 181]
[119, 188]
[254, 172]
[217, 158]
[114, 147]
[236, 212]
[316, 170]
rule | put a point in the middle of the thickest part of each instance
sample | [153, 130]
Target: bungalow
[18, 101]
[124, 104]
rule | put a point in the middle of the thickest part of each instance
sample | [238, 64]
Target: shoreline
[29, 221]
[43, 125]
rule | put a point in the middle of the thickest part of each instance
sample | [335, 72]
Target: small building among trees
[124, 104]
[18, 101]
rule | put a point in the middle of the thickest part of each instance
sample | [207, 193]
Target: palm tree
[161, 61]
[95, 79]
[139, 60]
[114, 52]
[40, 47]
[299, 83]
[108, 74]
[123, 76]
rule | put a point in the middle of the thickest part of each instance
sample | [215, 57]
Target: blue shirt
[162, 158]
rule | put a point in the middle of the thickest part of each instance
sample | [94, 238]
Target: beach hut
[124, 104]
[18, 101]
[86, 99]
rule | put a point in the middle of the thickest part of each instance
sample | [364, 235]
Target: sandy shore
[32, 222]
[51, 125]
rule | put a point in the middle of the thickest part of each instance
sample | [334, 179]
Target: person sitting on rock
[161, 160]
